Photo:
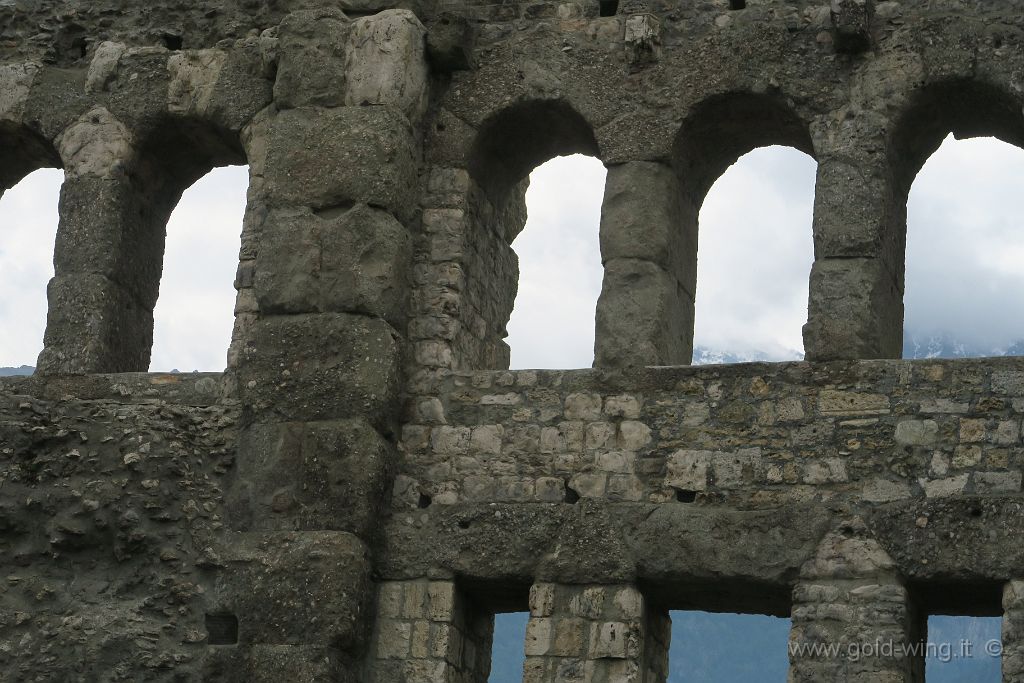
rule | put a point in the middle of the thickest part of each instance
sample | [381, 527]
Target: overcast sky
[965, 271]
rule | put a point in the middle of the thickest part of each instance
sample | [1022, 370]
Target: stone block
[855, 311]
[642, 218]
[311, 64]
[325, 159]
[365, 264]
[94, 325]
[305, 368]
[308, 588]
[644, 317]
[385, 63]
[288, 263]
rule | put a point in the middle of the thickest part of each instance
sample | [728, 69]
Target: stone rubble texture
[367, 484]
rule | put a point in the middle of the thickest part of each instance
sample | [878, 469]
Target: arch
[25, 151]
[721, 129]
[110, 246]
[965, 108]
[512, 142]
[172, 158]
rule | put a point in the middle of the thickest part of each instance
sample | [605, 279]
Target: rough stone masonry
[368, 484]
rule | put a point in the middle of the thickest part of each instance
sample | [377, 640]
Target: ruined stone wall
[367, 484]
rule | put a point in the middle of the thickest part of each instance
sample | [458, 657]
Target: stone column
[594, 634]
[852, 618]
[649, 251]
[1013, 632]
[101, 299]
[429, 631]
[319, 363]
[855, 310]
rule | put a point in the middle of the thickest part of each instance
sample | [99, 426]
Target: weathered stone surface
[385, 63]
[368, 426]
[311, 70]
[329, 158]
[644, 316]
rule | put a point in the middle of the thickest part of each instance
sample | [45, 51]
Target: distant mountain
[702, 355]
[944, 345]
[15, 372]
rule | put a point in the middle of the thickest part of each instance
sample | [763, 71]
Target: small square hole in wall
[737, 4]
[222, 629]
[609, 8]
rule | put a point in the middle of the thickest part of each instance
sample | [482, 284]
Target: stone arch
[650, 223]
[110, 245]
[724, 127]
[508, 145]
[513, 141]
[25, 151]
[965, 108]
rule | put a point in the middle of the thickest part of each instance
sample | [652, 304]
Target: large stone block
[311, 68]
[321, 367]
[311, 476]
[855, 311]
[365, 264]
[330, 158]
[355, 261]
[642, 218]
[299, 589]
[856, 214]
[644, 317]
[386, 63]
[94, 325]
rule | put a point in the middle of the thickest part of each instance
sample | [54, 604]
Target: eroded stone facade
[367, 484]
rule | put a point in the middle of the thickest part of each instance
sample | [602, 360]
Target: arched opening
[749, 284]
[957, 162]
[964, 247]
[754, 259]
[193, 318]
[559, 254]
[190, 191]
[510, 145]
[30, 184]
[28, 228]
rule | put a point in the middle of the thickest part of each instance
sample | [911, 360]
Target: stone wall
[367, 484]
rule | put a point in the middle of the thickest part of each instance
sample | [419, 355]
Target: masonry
[367, 483]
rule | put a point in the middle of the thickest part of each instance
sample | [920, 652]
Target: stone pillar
[852, 618]
[429, 631]
[1013, 632]
[855, 310]
[101, 299]
[319, 362]
[649, 250]
[594, 634]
